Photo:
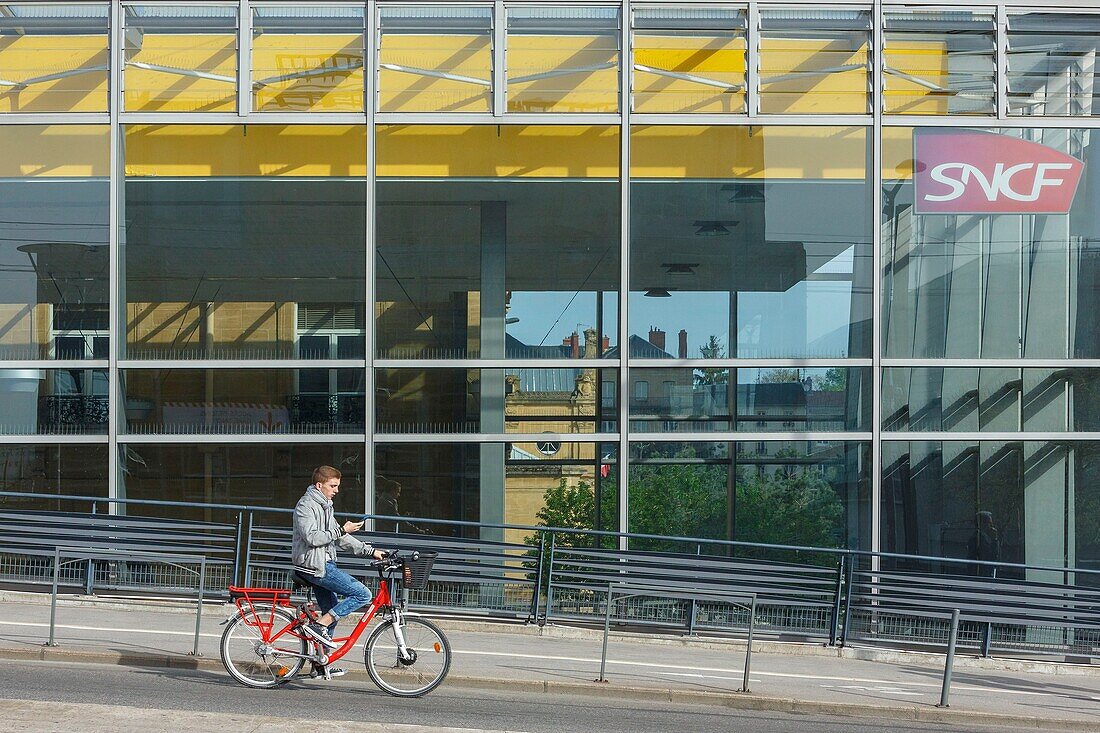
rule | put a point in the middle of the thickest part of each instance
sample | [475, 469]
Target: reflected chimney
[657, 337]
[682, 352]
[590, 344]
[574, 345]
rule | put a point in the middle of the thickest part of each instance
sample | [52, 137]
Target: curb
[733, 700]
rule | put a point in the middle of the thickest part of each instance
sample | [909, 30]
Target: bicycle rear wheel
[252, 662]
[418, 674]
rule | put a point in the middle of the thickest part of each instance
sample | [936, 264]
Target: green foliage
[788, 506]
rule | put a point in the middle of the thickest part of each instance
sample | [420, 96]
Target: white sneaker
[320, 635]
[328, 674]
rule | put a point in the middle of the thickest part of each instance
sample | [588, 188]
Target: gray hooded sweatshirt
[317, 533]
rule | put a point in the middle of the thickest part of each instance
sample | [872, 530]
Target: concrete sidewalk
[786, 677]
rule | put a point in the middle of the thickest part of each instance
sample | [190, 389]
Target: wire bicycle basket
[415, 573]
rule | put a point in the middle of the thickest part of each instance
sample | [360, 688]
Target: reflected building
[661, 268]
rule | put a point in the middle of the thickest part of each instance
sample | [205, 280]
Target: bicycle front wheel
[427, 660]
[251, 661]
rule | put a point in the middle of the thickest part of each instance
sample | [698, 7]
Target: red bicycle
[406, 655]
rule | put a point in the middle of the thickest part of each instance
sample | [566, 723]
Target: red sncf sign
[984, 173]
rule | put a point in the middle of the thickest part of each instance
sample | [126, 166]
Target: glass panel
[256, 474]
[1002, 399]
[53, 241]
[940, 63]
[563, 59]
[810, 494]
[307, 59]
[679, 400]
[53, 58]
[246, 401]
[470, 400]
[814, 61]
[474, 257]
[180, 58]
[436, 59]
[74, 470]
[552, 484]
[53, 401]
[245, 243]
[751, 242]
[1019, 502]
[983, 268]
[689, 60]
[1052, 63]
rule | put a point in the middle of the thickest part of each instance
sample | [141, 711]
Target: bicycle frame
[382, 600]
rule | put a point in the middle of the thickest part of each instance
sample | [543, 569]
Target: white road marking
[881, 688]
[698, 673]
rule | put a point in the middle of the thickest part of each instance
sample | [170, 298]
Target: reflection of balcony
[73, 413]
[326, 412]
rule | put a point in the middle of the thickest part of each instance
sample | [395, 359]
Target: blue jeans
[338, 583]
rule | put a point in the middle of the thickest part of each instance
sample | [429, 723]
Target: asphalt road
[200, 692]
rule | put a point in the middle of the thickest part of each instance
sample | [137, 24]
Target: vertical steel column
[606, 633]
[53, 594]
[370, 99]
[198, 612]
[877, 64]
[499, 78]
[1001, 39]
[626, 64]
[752, 63]
[244, 58]
[116, 336]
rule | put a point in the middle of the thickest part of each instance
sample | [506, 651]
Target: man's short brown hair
[322, 474]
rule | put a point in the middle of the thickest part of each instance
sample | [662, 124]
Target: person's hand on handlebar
[381, 554]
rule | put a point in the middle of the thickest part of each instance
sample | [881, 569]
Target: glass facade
[817, 275]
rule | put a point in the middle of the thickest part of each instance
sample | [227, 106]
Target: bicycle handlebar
[393, 559]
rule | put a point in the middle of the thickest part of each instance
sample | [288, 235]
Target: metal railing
[835, 595]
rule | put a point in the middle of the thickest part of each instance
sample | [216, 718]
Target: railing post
[748, 644]
[606, 632]
[237, 549]
[198, 613]
[945, 691]
[834, 617]
[693, 607]
[533, 614]
[848, 592]
[987, 634]
[246, 571]
[53, 594]
[549, 581]
[89, 571]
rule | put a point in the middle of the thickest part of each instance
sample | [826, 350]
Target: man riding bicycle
[313, 554]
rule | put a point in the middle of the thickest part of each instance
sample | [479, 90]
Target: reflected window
[940, 63]
[811, 494]
[53, 57]
[689, 60]
[552, 483]
[990, 285]
[1002, 399]
[307, 59]
[245, 243]
[66, 469]
[528, 401]
[54, 266]
[180, 58]
[1052, 63]
[256, 474]
[53, 401]
[435, 59]
[244, 401]
[814, 61]
[475, 258]
[778, 400]
[750, 243]
[563, 59]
